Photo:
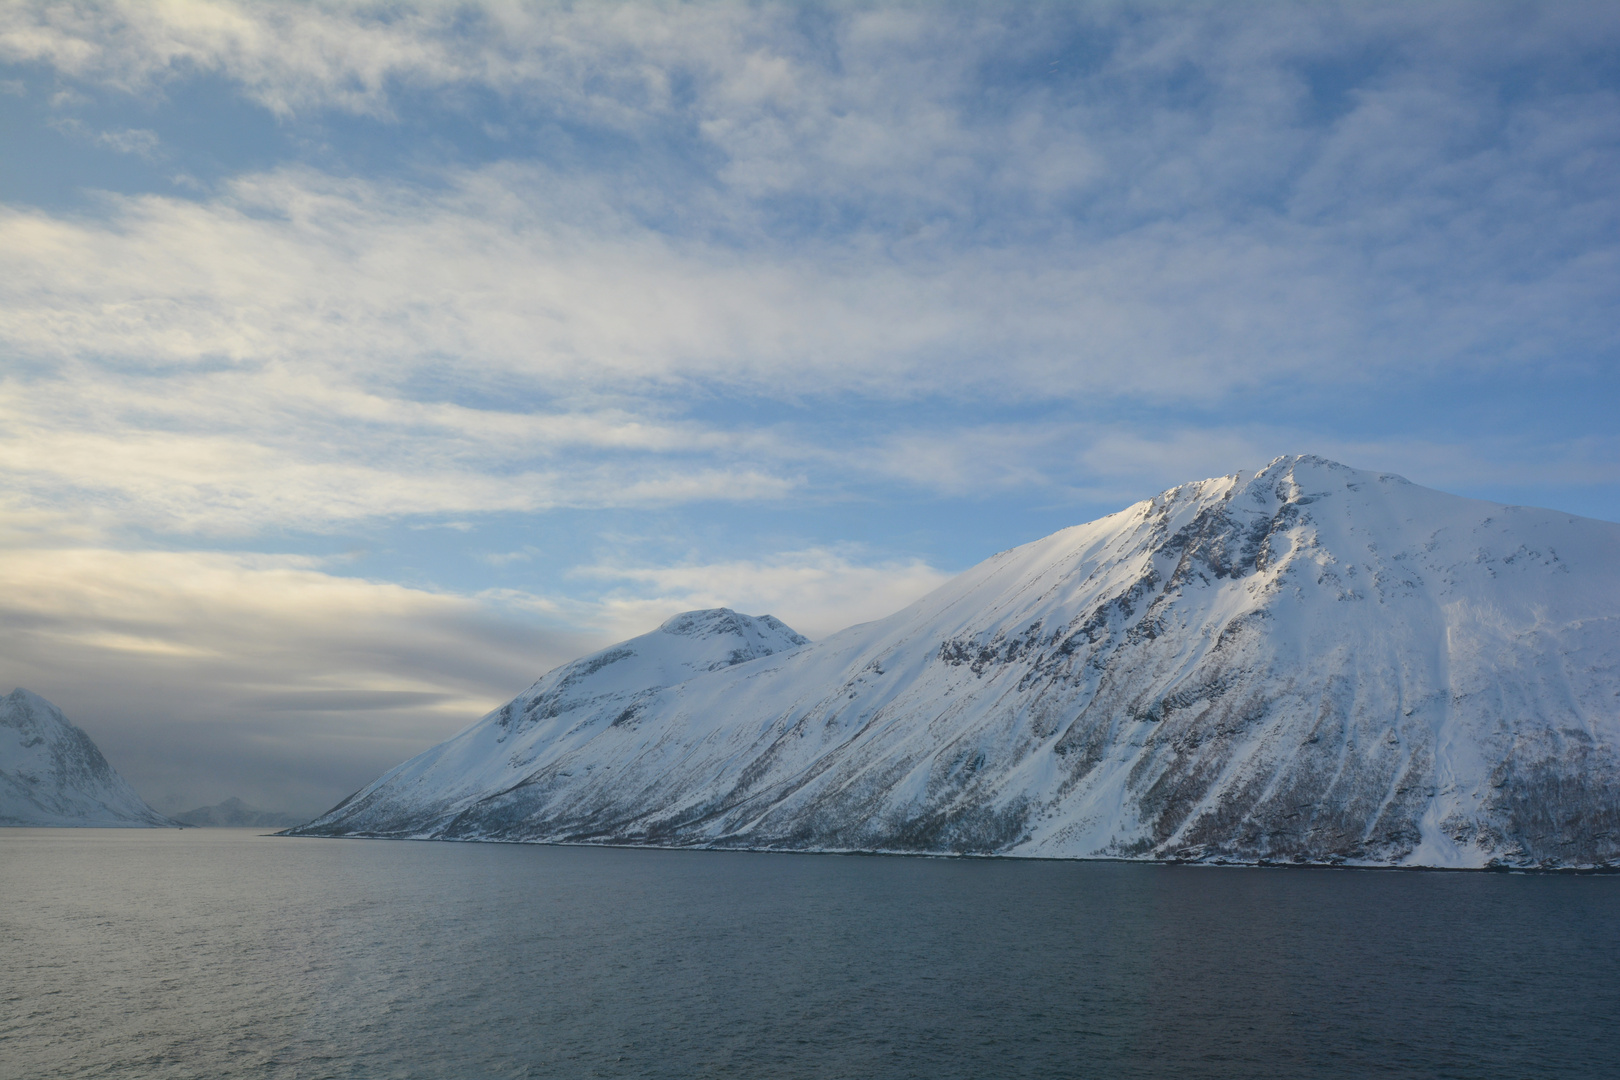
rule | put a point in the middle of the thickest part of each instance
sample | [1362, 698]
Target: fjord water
[223, 953]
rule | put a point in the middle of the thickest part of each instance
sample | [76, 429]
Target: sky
[361, 362]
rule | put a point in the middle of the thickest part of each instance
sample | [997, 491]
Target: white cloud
[138, 141]
[1021, 219]
[250, 362]
[340, 292]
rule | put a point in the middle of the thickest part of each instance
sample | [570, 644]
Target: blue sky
[360, 362]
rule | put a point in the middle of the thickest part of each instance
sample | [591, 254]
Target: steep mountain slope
[52, 774]
[565, 709]
[1306, 664]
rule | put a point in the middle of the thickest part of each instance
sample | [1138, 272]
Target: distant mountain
[234, 813]
[1305, 664]
[52, 774]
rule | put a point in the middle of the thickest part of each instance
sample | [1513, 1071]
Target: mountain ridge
[1306, 663]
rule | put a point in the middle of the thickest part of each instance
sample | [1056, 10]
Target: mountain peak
[702, 620]
[772, 633]
[26, 702]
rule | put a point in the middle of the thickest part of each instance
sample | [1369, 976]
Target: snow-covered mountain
[1307, 664]
[565, 709]
[52, 774]
[233, 813]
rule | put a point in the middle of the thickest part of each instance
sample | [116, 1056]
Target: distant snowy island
[1307, 664]
[233, 813]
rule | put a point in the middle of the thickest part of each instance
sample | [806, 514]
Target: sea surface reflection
[224, 953]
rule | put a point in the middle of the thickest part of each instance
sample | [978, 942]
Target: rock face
[52, 774]
[234, 813]
[1305, 664]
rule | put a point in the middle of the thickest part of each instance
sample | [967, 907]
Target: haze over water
[226, 953]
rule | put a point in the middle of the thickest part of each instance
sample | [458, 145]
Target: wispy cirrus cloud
[1156, 203]
[300, 325]
[138, 141]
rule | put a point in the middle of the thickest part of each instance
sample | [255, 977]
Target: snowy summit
[1305, 664]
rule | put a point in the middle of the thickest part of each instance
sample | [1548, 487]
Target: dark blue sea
[223, 953]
